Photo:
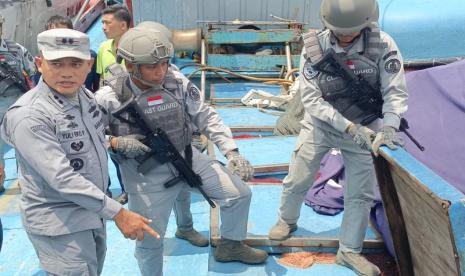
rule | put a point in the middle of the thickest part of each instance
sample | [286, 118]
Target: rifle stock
[403, 127]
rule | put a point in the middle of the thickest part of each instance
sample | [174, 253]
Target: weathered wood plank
[394, 215]
[252, 129]
[429, 235]
[423, 215]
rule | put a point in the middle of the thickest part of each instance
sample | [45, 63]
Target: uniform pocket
[304, 136]
[76, 146]
[152, 181]
[65, 268]
[77, 152]
[76, 143]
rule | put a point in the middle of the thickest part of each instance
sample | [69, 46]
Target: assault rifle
[361, 92]
[162, 150]
[7, 73]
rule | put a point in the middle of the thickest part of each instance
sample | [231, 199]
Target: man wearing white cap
[57, 131]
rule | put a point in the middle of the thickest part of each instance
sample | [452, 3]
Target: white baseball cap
[61, 43]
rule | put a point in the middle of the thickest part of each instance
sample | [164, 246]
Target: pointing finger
[146, 220]
[150, 231]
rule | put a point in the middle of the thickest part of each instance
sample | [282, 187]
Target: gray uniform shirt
[392, 85]
[63, 169]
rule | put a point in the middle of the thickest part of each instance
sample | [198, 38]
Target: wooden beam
[302, 241]
[226, 100]
[272, 168]
[293, 241]
[252, 129]
[394, 215]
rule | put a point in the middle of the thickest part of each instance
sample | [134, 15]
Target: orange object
[306, 259]
[324, 258]
[297, 260]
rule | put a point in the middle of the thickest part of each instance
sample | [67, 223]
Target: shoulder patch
[194, 92]
[392, 66]
[390, 54]
[37, 128]
[308, 71]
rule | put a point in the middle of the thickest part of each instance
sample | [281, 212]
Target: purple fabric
[436, 114]
[328, 200]
[378, 218]
[323, 198]
[436, 117]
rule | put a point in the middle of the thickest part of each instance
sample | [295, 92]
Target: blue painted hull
[425, 30]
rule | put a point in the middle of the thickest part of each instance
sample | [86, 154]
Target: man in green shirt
[116, 21]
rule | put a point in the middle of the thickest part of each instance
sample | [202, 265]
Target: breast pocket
[77, 151]
[75, 142]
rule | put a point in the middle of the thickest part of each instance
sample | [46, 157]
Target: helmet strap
[136, 74]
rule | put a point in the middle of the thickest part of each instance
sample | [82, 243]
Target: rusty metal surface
[182, 14]
[252, 36]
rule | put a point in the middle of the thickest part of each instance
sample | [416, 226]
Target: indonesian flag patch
[155, 100]
[350, 64]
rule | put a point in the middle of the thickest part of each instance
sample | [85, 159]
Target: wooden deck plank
[422, 226]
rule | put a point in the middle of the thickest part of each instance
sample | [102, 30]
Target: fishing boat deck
[18, 256]
[180, 258]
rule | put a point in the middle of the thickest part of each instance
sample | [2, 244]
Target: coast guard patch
[392, 66]
[76, 163]
[308, 71]
[77, 146]
[194, 92]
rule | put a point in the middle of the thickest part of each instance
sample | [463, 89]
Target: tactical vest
[363, 64]
[164, 107]
[12, 59]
